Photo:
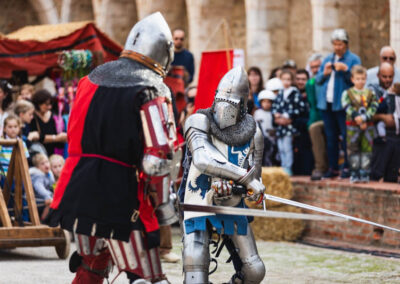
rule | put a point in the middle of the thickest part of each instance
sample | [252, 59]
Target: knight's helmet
[152, 37]
[230, 102]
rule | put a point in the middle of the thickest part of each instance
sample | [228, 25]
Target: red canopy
[36, 48]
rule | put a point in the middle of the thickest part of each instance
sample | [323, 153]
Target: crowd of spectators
[333, 118]
[32, 116]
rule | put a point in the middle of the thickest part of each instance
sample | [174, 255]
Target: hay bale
[277, 183]
[278, 229]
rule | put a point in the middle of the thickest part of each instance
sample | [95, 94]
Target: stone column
[205, 29]
[395, 28]
[115, 17]
[332, 14]
[46, 10]
[267, 33]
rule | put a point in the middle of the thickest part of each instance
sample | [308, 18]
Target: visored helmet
[230, 102]
[152, 37]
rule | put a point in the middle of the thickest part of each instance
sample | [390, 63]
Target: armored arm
[210, 161]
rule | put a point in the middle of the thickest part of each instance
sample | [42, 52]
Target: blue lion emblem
[203, 183]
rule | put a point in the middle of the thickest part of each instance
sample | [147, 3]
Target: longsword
[335, 216]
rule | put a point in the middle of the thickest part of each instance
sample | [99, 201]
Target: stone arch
[17, 14]
[300, 31]
[46, 11]
[115, 17]
[76, 10]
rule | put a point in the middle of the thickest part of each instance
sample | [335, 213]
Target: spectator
[303, 163]
[385, 76]
[386, 153]
[256, 84]
[24, 110]
[190, 95]
[274, 85]
[290, 65]
[12, 128]
[56, 164]
[360, 105]
[264, 119]
[44, 123]
[26, 92]
[42, 182]
[275, 73]
[5, 101]
[313, 65]
[183, 57]
[287, 107]
[315, 123]
[388, 55]
[333, 78]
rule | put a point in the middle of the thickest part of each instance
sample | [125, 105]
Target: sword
[256, 212]
[241, 190]
[329, 212]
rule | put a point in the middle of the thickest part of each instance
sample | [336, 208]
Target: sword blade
[329, 212]
[255, 212]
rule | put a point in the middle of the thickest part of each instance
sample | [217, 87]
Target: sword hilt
[239, 189]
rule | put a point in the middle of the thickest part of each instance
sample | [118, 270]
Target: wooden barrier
[13, 231]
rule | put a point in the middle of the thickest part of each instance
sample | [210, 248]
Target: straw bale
[278, 229]
[277, 183]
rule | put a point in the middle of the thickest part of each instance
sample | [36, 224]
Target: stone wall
[374, 30]
[16, 14]
[270, 31]
[377, 202]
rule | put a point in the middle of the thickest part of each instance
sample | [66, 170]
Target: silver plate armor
[152, 38]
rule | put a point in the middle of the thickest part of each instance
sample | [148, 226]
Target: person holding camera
[360, 104]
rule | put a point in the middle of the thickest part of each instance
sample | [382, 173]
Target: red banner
[213, 66]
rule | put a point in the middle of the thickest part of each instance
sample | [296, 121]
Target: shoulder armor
[198, 121]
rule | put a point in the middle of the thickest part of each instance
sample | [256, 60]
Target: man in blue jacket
[333, 78]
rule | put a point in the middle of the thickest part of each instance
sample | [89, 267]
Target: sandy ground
[285, 263]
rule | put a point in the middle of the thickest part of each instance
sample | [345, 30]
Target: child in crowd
[264, 119]
[12, 129]
[26, 92]
[42, 181]
[24, 110]
[274, 85]
[287, 106]
[360, 105]
[56, 165]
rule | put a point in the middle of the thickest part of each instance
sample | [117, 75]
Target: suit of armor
[122, 148]
[226, 148]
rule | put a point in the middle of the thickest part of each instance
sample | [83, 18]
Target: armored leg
[253, 269]
[92, 260]
[196, 257]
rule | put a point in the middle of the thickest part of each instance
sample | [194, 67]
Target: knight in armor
[225, 149]
[122, 150]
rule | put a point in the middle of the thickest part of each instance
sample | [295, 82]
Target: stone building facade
[269, 31]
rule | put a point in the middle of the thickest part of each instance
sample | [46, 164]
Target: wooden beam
[26, 179]
[4, 216]
[31, 232]
[10, 176]
[8, 142]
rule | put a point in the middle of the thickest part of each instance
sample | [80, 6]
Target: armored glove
[255, 188]
[223, 190]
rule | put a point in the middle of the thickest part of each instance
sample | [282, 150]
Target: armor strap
[145, 60]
